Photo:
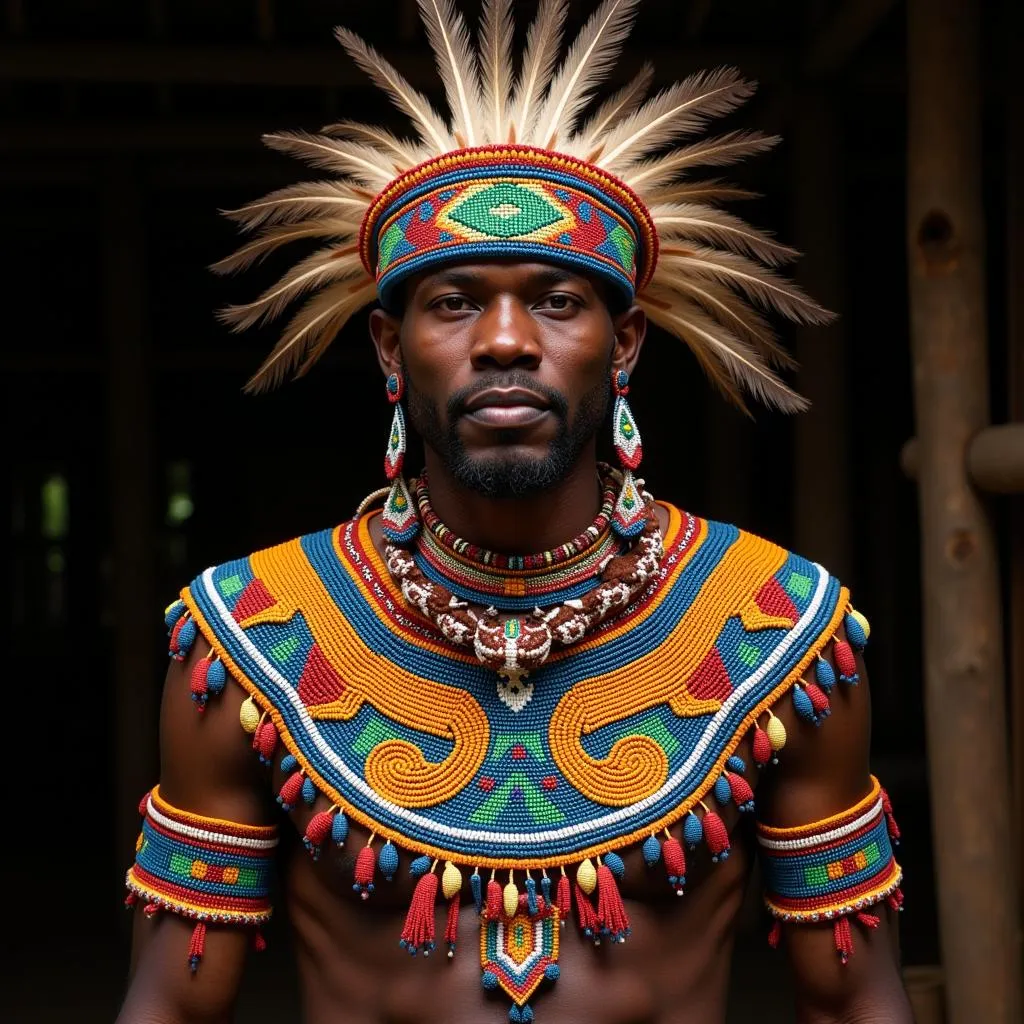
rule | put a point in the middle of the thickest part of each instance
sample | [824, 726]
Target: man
[524, 689]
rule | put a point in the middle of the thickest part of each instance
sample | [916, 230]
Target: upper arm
[206, 768]
[823, 771]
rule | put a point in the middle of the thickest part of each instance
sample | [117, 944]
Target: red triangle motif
[773, 600]
[319, 683]
[255, 599]
[711, 680]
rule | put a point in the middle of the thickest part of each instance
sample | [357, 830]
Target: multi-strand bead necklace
[516, 645]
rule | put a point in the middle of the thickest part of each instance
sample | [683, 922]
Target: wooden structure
[131, 131]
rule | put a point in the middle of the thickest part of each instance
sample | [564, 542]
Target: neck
[517, 525]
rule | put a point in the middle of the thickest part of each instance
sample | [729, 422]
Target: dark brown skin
[674, 968]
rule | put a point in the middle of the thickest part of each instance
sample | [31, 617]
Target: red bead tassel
[819, 700]
[586, 917]
[895, 899]
[130, 900]
[775, 934]
[196, 947]
[845, 661]
[675, 864]
[762, 747]
[563, 898]
[366, 865]
[291, 791]
[264, 741]
[494, 901]
[451, 928]
[198, 683]
[890, 820]
[866, 919]
[742, 794]
[317, 831]
[844, 938]
[418, 933]
[611, 913]
[716, 835]
[259, 944]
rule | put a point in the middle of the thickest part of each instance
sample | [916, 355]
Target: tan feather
[357, 161]
[335, 199]
[273, 237]
[427, 122]
[312, 329]
[733, 312]
[739, 363]
[709, 191]
[403, 154]
[768, 289]
[681, 109]
[617, 106]
[543, 41]
[496, 31]
[327, 266]
[457, 65]
[587, 64]
[701, 223]
[717, 152]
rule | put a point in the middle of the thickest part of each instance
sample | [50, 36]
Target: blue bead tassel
[476, 885]
[387, 861]
[693, 831]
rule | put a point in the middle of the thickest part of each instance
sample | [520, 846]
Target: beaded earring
[630, 512]
[399, 521]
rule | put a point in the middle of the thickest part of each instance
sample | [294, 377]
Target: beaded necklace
[543, 560]
[518, 645]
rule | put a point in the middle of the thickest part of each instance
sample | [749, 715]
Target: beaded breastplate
[622, 736]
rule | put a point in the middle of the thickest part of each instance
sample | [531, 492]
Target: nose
[505, 336]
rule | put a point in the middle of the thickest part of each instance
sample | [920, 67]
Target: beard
[501, 473]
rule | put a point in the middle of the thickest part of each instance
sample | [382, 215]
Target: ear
[386, 332]
[630, 330]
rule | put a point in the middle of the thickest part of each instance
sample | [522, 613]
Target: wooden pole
[964, 681]
[135, 691]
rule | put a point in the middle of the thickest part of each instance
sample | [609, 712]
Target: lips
[506, 407]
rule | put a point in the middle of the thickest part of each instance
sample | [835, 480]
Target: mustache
[457, 402]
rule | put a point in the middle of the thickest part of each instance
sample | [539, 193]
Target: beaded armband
[206, 869]
[833, 869]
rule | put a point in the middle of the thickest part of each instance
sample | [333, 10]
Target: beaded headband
[513, 201]
[517, 170]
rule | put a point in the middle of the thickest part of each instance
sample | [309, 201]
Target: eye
[559, 302]
[453, 304]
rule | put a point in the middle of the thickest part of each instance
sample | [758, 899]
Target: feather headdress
[517, 168]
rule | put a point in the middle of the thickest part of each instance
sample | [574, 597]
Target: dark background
[134, 460]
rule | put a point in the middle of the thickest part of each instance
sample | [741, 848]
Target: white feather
[360, 162]
[410, 101]
[620, 105]
[765, 287]
[496, 29]
[543, 41]
[679, 110]
[403, 154]
[333, 199]
[717, 152]
[273, 237]
[588, 62]
[456, 63]
[706, 224]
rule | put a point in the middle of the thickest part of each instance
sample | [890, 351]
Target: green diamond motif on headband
[388, 242]
[505, 210]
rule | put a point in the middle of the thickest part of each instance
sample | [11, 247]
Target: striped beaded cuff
[834, 867]
[202, 868]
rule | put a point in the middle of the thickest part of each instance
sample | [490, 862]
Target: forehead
[503, 276]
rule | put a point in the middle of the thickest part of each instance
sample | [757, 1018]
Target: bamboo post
[964, 681]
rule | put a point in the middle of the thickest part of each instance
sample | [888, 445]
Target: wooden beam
[313, 66]
[994, 459]
[843, 34]
[965, 695]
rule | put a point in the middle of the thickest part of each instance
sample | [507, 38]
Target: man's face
[507, 369]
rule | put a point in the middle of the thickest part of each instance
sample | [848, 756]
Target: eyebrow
[464, 277]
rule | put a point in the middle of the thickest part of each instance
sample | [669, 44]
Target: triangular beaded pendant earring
[630, 513]
[399, 520]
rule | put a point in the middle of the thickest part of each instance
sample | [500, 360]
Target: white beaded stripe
[823, 837]
[190, 832]
[576, 832]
